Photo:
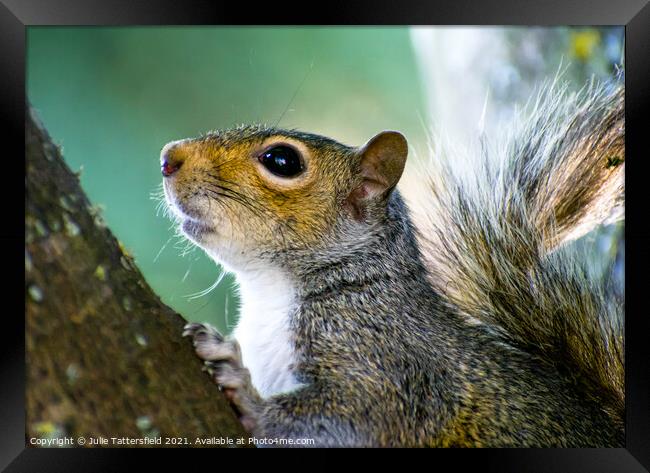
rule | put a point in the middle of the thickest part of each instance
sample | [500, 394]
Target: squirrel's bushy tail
[496, 240]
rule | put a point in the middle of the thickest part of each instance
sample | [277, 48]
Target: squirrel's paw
[209, 344]
[222, 358]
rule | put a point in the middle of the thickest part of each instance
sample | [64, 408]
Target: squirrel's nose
[171, 158]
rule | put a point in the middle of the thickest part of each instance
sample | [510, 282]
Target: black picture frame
[17, 15]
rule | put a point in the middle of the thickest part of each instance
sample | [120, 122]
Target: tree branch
[105, 356]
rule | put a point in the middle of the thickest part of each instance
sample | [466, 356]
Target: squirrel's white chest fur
[263, 331]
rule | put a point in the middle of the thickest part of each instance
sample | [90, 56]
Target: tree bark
[104, 356]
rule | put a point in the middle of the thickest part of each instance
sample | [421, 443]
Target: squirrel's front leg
[222, 357]
[308, 413]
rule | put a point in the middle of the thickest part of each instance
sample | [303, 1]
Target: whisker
[240, 199]
[218, 184]
[162, 248]
[208, 290]
[304, 79]
[223, 163]
[187, 273]
[217, 189]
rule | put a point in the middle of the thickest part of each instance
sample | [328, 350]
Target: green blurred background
[112, 97]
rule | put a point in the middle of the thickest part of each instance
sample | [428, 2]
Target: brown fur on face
[228, 200]
[230, 204]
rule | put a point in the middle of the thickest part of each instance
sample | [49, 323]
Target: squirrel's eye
[282, 161]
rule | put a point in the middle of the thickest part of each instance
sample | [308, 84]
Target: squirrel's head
[254, 192]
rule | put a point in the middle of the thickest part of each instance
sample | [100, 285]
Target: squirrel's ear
[382, 162]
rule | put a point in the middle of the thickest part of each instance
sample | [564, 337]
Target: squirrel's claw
[195, 329]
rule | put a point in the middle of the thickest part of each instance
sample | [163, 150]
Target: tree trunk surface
[104, 356]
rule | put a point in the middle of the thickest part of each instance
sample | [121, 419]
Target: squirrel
[467, 322]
